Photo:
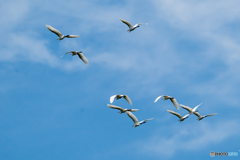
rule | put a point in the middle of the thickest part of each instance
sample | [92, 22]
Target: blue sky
[55, 107]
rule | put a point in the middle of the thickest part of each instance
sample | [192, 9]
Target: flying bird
[181, 118]
[80, 55]
[59, 34]
[131, 28]
[119, 97]
[121, 110]
[165, 97]
[135, 120]
[189, 109]
[201, 117]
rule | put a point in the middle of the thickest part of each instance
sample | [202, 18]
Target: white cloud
[151, 53]
[23, 40]
[188, 137]
[148, 60]
[201, 15]
[27, 47]
[13, 13]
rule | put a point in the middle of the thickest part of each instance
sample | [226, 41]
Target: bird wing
[134, 110]
[174, 101]
[72, 36]
[195, 108]
[197, 114]
[186, 116]
[127, 23]
[83, 58]
[127, 99]
[166, 97]
[146, 120]
[57, 32]
[115, 107]
[157, 99]
[176, 114]
[112, 98]
[186, 107]
[66, 53]
[210, 115]
[132, 116]
[142, 24]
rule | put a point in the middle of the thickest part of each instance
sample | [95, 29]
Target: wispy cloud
[151, 53]
[188, 138]
[27, 47]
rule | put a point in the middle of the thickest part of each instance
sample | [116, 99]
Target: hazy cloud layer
[189, 50]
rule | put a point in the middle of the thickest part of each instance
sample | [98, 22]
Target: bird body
[165, 97]
[118, 96]
[189, 109]
[80, 55]
[59, 34]
[135, 120]
[181, 118]
[201, 117]
[121, 110]
[131, 28]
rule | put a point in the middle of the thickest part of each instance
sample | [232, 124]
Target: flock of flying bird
[164, 97]
[80, 55]
[129, 111]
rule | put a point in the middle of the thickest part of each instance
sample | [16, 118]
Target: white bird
[181, 118]
[121, 109]
[131, 28]
[190, 110]
[165, 97]
[119, 97]
[135, 120]
[80, 55]
[201, 117]
[59, 34]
